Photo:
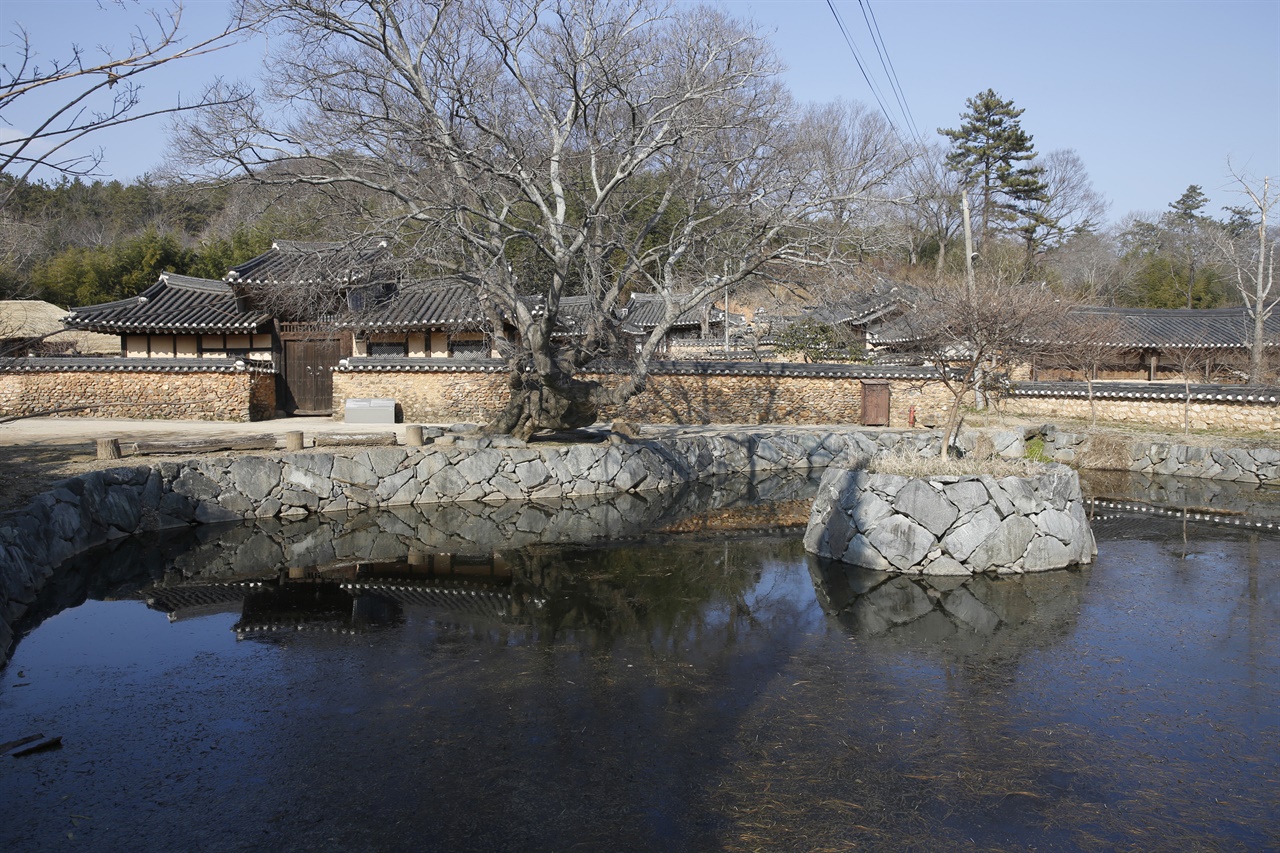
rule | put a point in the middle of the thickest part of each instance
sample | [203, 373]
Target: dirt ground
[35, 453]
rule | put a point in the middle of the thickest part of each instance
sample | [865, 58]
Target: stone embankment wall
[691, 393]
[91, 509]
[1103, 451]
[123, 388]
[951, 525]
[1255, 466]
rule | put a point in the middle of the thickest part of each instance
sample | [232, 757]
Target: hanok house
[1155, 344]
[189, 348]
[425, 319]
[697, 333]
[306, 287]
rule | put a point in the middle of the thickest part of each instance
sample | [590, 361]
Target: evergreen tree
[988, 150]
[1186, 224]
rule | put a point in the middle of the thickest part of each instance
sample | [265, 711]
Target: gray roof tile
[174, 304]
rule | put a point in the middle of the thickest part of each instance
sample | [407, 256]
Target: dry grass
[1106, 451]
[911, 464]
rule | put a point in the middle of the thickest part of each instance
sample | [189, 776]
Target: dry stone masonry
[951, 525]
[456, 468]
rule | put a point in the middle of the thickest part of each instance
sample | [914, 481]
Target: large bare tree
[82, 91]
[609, 147]
[1251, 257]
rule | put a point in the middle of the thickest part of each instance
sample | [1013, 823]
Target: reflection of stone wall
[981, 615]
[949, 525]
[140, 392]
[102, 505]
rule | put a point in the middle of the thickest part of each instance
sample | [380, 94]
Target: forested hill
[78, 243]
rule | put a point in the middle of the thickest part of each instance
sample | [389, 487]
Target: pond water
[637, 675]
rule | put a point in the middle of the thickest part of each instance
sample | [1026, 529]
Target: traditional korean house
[697, 333]
[426, 319]
[1153, 344]
[306, 287]
[182, 317]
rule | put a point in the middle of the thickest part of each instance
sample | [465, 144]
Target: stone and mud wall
[1241, 416]
[120, 389]
[739, 393]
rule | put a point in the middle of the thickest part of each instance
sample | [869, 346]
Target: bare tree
[608, 147]
[971, 332]
[1085, 343]
[83, 92]
[1069, 205]
[933, 209]
[1088, 267]
[1253, 263]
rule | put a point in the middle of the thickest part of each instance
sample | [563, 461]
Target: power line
[869, 15]
[886, 63]
[858, 59]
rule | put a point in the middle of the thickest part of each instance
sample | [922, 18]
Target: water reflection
[719, 690]
[956, 617]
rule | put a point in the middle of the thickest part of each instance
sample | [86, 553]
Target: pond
[640, 675]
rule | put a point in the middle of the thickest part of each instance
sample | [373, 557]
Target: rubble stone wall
[951, 525]
[669, 398]
[212, 396]
[1165, 414]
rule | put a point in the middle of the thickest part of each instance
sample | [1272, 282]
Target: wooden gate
[875, 402]
[311, 351]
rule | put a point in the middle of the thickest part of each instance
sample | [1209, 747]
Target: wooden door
[306, 374]
[875, 403]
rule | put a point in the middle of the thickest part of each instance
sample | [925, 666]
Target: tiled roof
[296, 262]
[422, 305]
[645, 310]
[59, 364]
[1151, 391]
[174, 304]
[1142, 328]
[1192, 328]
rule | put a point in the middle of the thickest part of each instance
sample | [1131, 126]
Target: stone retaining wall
[1111, 452]
[125, 388]
[91, 509]
[951, 525]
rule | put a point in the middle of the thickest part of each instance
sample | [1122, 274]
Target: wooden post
[413, 435]
[108, 448]
[293, 440]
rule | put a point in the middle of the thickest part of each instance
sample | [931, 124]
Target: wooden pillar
[108, 448]
[413, 435]
[293, 440]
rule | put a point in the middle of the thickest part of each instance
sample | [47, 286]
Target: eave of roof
[176, 304]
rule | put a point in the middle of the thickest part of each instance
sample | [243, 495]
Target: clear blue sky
[1153, 96]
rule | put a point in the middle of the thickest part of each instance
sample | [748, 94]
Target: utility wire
[873, 26]
[858, 59]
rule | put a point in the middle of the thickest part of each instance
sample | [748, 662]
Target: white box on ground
[370, 410]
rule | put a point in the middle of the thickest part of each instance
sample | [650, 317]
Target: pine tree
[988, 150]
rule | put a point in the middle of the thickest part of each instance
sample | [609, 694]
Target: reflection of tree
[614, 592]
